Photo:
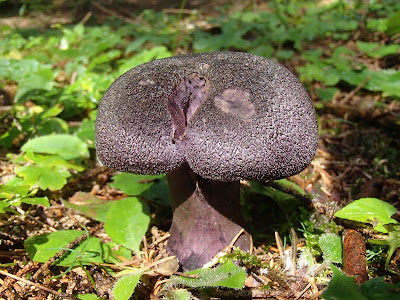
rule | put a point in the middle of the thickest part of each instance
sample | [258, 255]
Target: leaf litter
[357, 158]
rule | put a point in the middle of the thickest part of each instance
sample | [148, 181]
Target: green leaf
[133, 184]
[86, 132]
[393, 24]
[51, 112]
[153, 187]
[377, 288]
[46, 178]
[377, 50]
[112, 252]
[48, 161]
[127, 222]
[3, 206]
[369, 210]
[88, 297]
[226, 275]
[90, 205]
[9, 191]
[331, 246]
[125, 286]
[30, 74]
[180, 294]
[43, 247]
[342, 287]
[144, 56]
[326, 94]
[66, 146]
[393, 241]
[36, 201]
[53, 125]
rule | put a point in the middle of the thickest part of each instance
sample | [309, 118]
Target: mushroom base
[207, 217]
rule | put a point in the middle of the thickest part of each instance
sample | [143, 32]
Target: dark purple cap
[229, 115]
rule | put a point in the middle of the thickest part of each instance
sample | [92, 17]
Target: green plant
[369, 210]
[345, 288]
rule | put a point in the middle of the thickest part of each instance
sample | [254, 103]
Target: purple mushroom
[208, 120]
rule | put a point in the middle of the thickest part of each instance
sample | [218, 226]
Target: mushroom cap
[247, 118]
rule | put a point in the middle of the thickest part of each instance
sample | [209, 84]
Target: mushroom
[208, 120]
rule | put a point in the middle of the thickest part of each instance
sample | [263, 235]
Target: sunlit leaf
[369, 210]
[152, 187]
[127, 222]
[331, 246]
[46, 178]
[43, 247]
[90, 205]
[66, 146]
[125, 286]
[226, 275]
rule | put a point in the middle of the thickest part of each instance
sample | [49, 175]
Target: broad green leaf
[30, 74]
[66, 146]
[3, 205]
[153, 187]
[46, 178]
[127, 222]
[369, 210]
[43, 247]
[8, 191]
[393, 24]
[90, 205]
[377, 288]
[36, 201]
[144, 56]
[319, 72]
[342, 287]
[53, 126]
[331, 246]
[226, 275]
[51, 112]
[393, 241]
[125, 286]
[377, 50]
[48, 161]
[86, 132]
[133, 184]
[386, 81]
[326, 94]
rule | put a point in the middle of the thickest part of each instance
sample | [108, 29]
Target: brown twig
[30, 267]
[357, 89]
[31, 283]
[113, 13]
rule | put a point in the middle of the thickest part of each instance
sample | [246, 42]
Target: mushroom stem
[207, 216]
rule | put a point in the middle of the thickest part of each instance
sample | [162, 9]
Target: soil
[358, 156]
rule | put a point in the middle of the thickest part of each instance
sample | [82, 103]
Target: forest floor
[358, 157]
